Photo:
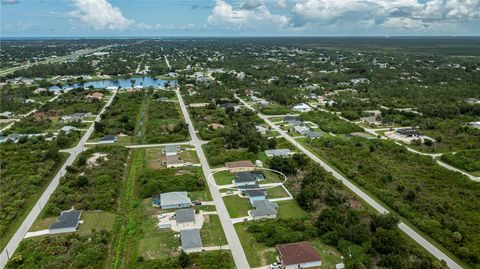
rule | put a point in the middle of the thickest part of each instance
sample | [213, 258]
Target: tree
[184, 259]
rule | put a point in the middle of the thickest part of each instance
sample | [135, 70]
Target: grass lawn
[42, 224]
[91, 220]
[277, 192]
[212, 232]
[271, 177]
[237, 207]
[290, 209]
[96, 221]
[200, 195]
[157, 243]
[257, 253]
[224, 177]
[189, 156]
[330, 255]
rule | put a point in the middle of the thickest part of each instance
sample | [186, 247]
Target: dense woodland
[26, 168]
[93, 182]
[121, 116]
[442, 203]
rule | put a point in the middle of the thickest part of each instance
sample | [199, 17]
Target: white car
[275, 266]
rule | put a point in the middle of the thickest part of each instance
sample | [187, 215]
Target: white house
[302, 107]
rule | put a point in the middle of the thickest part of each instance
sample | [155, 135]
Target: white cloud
[100, 14]
[389, 13]
[280, 4]
[225, 16]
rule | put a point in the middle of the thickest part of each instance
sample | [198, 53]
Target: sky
[116, 18]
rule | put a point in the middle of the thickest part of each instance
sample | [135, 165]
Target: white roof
[174, 198]
[277, 152]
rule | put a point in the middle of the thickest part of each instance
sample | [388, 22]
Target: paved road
[26, 115]
[32, 216]
[54, 60]
[232, 238]
[157, 145]
[405, 228]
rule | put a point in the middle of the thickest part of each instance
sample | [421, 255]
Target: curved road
[32, 216]
[402, 226]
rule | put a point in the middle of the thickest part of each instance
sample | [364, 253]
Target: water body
[122, 83]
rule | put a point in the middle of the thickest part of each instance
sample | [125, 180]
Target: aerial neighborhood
[240, 152]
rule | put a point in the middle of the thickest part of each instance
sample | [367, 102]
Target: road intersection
[232, 238]
[27, 223]
[360, 193]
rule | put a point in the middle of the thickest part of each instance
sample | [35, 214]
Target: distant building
[67, 222]
[292, 120]
[472, 100]
[302, 108]
[313, 134]
[277, 152]
[6, 114]
[255, 194]
[191, 240]
[95, 95]
[239, 166]
[474, 124]
[67, 129]
[301, 129]
[261, 129]
[171, 150]
[108, 139]
[356, 81]
[298, 255]
[408, 132]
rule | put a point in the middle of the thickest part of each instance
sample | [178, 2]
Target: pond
[122, 83]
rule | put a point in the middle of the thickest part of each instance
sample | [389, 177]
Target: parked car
[229, 192]
[275, 265]
[196, 202]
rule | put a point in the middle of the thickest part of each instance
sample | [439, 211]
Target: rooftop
[172, 148]
[174, 198]
[239, 164]
[295, 253]
[277, 152]
[190, 239]
[245, 177]
[185, 215]
[264, 208]
[67, 219]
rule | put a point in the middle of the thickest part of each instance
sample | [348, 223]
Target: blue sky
[37, 18]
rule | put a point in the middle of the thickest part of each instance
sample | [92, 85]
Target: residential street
[32, 216]
[230, 233]
[402, 226]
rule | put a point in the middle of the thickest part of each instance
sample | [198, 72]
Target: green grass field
[212, 232]
[96, 221]
[290, 209]
[257, 253]
[224, 177]
[277, 192]
[237, 207]
[157, 244]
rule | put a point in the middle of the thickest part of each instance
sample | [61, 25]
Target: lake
[122, 83]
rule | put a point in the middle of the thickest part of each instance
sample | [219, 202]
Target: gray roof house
[171, 150]
[301, 129]
[191, 240]
[184, 216]
[277, 152]
[66, 223]
[313, 134]
[245, 178]
[108, 139]
[178, 199]
[264, 209]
